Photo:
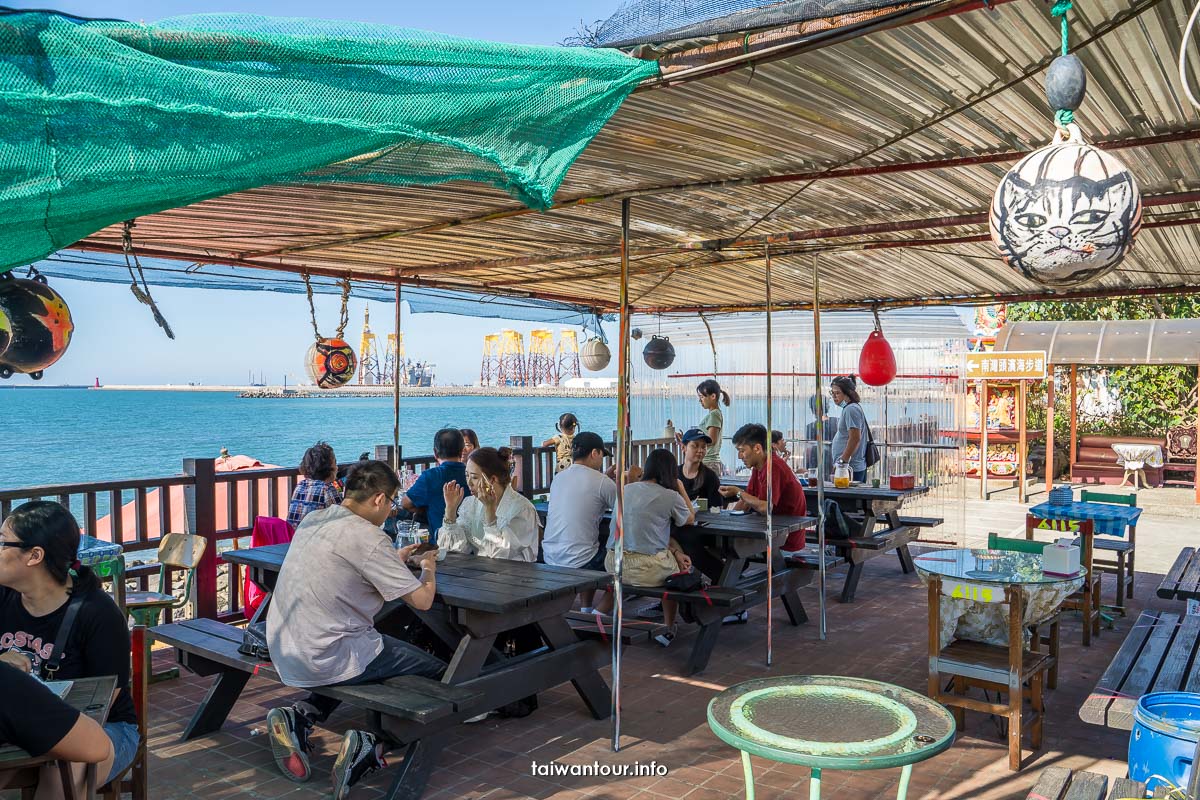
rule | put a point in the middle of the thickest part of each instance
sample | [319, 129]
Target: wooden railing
[222, 506]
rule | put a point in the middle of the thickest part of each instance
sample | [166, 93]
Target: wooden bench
[1060, 783]
[1153, 658]
[922, 522]
[859, 548]
[207, 647]
[633, 631]
[1182, 581]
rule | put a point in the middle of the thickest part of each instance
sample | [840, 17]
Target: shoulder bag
[51, 665]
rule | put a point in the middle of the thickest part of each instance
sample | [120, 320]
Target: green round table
[830, 722]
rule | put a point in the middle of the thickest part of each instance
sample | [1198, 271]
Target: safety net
[654, 21]
[103, 120]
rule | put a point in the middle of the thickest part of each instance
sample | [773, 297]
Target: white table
[1135, 458]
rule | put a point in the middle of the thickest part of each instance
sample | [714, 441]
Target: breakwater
[304, 393]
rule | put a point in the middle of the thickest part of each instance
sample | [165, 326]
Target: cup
[702, 504]
[875, 483]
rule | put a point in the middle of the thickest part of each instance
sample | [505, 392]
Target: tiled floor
[881, 636]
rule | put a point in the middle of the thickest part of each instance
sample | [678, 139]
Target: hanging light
[876, 361]
[35, 325]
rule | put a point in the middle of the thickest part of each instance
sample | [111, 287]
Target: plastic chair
[175, 551]
[1123, 549]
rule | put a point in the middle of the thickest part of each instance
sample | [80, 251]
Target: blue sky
[222, 336]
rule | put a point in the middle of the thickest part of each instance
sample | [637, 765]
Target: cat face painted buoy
[37, 324]
[330, 363]
[1067, 213]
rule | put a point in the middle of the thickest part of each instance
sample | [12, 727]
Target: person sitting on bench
[651, 554]
[34, 719]
[787, 495]
[339, 571]
[699, 483]
[495, 521]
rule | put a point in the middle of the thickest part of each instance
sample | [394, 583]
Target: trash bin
[1162, 744]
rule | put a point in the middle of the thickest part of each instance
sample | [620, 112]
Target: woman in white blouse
[495, 521]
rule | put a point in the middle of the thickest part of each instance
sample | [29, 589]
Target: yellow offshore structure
[540, 367]
[368, 359]
[567, 357]
[489, 367]
[394, 357]
[510, 370]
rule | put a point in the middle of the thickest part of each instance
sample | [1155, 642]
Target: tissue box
[901, 482]
[1060, 559]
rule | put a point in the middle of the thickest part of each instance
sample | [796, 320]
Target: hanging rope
[343, 316]
[142, 293]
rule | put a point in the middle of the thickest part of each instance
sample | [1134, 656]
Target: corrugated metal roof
[1107, 343]
[704, 159]
[924, 323]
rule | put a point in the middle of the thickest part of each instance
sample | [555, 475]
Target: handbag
[254, 641]
[871, 453]
[683, 581]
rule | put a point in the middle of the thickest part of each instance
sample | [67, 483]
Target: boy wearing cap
[579, 497]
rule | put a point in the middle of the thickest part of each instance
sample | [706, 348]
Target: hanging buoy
[330, 363]
[876, 361]
[1067, 213]
[594, 355]
[37, 324]
[659, 353]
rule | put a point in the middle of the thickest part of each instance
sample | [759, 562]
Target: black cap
[695, 434]
[585, 442]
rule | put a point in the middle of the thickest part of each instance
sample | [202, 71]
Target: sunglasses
[22, 545]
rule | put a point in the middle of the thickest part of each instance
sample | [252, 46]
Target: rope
[312, 310]
[1060, 9]
[1064, 117]
[142, 293]
[1187, 36]
[345, 313]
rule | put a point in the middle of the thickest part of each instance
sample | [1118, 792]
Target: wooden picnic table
[1153, 658]
[477, 600]
[1182, 581]
[90, 696]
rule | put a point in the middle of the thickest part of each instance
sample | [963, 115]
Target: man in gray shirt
[850, 441]
[339, 571]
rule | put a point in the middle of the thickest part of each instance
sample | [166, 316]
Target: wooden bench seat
[922, 522]
[1060, 783]
[719, 596]
[207, 647]
[633, 631]
[1153, 658]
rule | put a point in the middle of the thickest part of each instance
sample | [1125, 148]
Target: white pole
[770, 462]
[820, 436]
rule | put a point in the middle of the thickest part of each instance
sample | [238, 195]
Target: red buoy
[877, 362]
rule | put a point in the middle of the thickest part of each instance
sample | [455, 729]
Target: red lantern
[877, 362]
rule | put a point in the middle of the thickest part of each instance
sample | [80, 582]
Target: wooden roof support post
[1196, 475]
[1074, 443]
[622, 455]
[770, 458]
[820, 395]
[1022, 441]
[1050, 428]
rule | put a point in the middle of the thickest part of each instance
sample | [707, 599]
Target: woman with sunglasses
[48, 603]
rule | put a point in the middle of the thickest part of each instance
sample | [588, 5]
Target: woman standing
[850, 441]
[651, 553]
[711, 395]
[40, 581]
[495, 521]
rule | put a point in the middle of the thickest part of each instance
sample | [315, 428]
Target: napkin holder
[1061, 558]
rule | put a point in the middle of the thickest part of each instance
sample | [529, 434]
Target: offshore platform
[505, 362]
[376, 368]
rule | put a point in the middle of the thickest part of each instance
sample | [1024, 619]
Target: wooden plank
[1170, 582]
[1087, 786]
[1174, 672]
[1124, 788]
[1189, 584]
[1051, 784]
[1095, 709]
[1148, 663]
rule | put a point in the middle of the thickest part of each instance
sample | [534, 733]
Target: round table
[830, 722]
[983, 621]
[1135, 457]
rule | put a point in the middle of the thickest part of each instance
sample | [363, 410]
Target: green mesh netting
[102, 121]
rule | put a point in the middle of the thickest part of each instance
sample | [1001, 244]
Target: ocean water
[55, 436]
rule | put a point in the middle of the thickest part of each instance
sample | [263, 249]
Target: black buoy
[659, 353]
[1066, 82]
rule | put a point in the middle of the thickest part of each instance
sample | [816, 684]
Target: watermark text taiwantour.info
[637, 769]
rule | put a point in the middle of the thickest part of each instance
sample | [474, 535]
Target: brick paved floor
[880, 636]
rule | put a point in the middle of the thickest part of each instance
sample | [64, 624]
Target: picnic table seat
[1060, 783]
[861, 546]
[601, 626]
[207, 647]
[1153, 658]
[922, 522]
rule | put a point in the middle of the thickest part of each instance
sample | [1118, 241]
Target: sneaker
[740, 618]
[652, 612]
[666, 637]
[477, 718]
[358, 757]
[289, 729]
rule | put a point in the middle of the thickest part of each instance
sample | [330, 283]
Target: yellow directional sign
[1017, 365]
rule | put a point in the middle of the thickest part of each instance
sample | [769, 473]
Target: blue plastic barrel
[1162, 744]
